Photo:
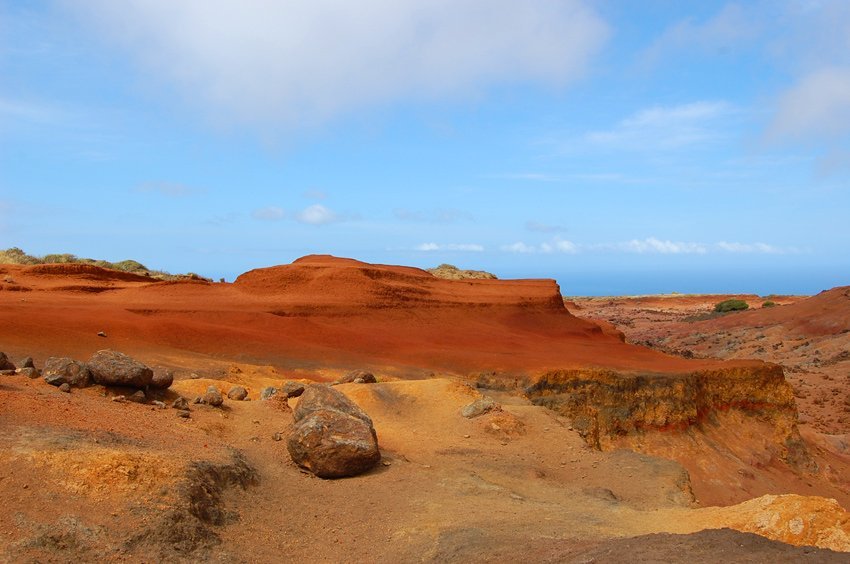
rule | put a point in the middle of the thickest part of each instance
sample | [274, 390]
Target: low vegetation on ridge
[14, 255]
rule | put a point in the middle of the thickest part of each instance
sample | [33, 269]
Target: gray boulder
[27, 363]
[268, 392]
[180, 403]
[112, 368]
[62, 370]
[479, 407]
[332, 437]
[357, 377]
[31, 373]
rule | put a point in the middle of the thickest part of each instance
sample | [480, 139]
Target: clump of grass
[730, 305]
[769, 303]
[15, 255]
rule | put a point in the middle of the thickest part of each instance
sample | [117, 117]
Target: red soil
[320, 310]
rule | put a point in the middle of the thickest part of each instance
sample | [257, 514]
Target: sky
[619, 147]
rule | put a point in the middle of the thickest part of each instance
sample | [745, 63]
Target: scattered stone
[27, 363]
[479, 407]
[137, 397]
[30, 373]
[159, 404]
[357, 377]
[101, 334]
[8, 372]
[184, 413]
[292, 389]
[193, 376]
[277, 437]
[112, 368]
[59, 370]
[162, 379]
[267, 393]
[213, 397]
[119, 399]
[65, 387]
[332, 437]
[198, 399]
[237, 393]
[180, 403]
[5, 363]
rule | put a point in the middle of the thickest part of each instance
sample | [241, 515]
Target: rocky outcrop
[112, 368]
[332, 437]
[162, 379]
[604, 404]
[5, 363]
[62, 370]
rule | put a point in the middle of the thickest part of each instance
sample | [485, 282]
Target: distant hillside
[14, 255]
[451, 272]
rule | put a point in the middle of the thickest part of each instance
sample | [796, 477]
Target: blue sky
[618, 146]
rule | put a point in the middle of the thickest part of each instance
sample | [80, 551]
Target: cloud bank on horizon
[551, 135]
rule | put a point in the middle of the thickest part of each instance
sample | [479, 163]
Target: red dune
[318, 310]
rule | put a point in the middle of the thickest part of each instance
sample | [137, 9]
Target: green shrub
[129, 266]
[731, 305]
[59, 258]
[768, 303]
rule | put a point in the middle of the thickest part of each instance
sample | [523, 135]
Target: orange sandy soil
[808, 336]
[85, 478]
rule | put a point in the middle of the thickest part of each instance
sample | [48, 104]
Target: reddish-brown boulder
[112, 368]
[332, 444]
[62, 370]
[320, 397]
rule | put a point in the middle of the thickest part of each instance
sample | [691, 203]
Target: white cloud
[540, 227]
[555, 245]
[653, 245]
[661, 127]
[749, 248]
[269, 213]
[317, 214]
[292, 63]
[817, 106]
[466, 247]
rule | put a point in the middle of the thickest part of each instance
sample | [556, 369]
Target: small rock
[31, 373]
[27, 363]
[193, 376]
[267, 393]
[292, 389]
[386, 462]
[9, 372]
[357, 377]
[5, 363]
[479, 407]
[65, 387]
[180, 403]
[137, 397]
[101, 334]
[213, 397]
[277, 437]
[237, 393]
[162, 379]
[184, 413]
[119, 399]
[198, 400]
[159, 404]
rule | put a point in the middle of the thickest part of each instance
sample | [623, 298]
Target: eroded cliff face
[607, 406]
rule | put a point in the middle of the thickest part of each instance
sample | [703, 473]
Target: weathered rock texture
[61, 370]
[112, 368]
[332, 437]
[605, 405]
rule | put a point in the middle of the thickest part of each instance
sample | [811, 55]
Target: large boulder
[212, 397]
[292, 389]
[332, 437]
[112, 368]
[319, 397]
[5, 363]
[63, 370]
